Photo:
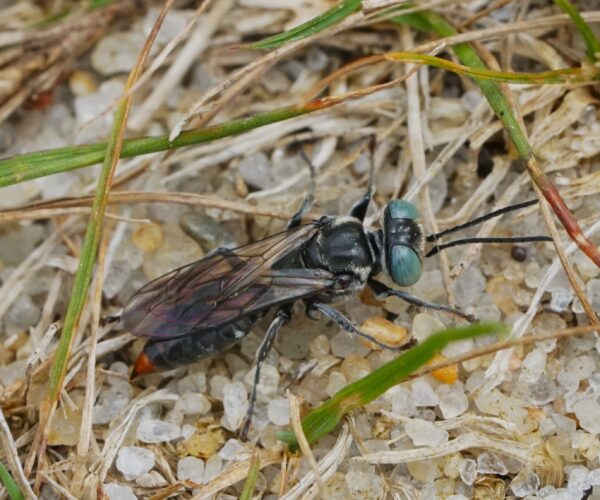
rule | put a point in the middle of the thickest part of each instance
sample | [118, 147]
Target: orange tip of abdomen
[142, 365]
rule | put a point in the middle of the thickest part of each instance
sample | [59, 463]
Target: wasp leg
[359, 210]
[281, 317]
[346, 324]
[382, 291]
[107, 320]
[309, 199]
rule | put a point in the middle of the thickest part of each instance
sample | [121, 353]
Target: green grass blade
[591, 42]
[324, 419]
[559, 76]
[89, 249]
[251, 478]
[10, 484]
[490, 89]
[41, 163]
[330, 17]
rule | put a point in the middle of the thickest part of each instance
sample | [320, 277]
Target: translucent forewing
[224, 287]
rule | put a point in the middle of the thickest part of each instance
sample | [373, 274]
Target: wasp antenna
[519, 239]
[483, 218]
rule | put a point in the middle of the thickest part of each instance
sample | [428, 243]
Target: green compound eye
[401, 209]
[405, 266]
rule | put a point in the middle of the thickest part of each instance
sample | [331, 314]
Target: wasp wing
[223, 287]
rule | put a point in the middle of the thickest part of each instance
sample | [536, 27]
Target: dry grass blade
[11, 456]
[237, 471]
[302, 442]
[243, 77]
[358, 70]
[41, 59]
[74, 205]
[327, 466]
[88, 257]
[524, 453]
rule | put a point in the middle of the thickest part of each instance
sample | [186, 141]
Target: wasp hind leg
[282, 316]
[346, 324]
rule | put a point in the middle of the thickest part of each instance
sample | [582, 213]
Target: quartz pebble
[453, 400]
[133, 461]
[336, 382]
[279, 411]
[157, 431]
[403, 402]
[22, 314]
[231, 449]
[336, 488]
[193, 403]
[151, 479]
[490, 464]
[468, 471]
[525, 483]
[212, 468]
[424, 325]
[269, 381]
[319, 346]
[578, 478]
[15, 245]
[115, 491]
[190, 468]
[569, 381]
[532, 366]
[255, 169]
[425, 433]
[587, 411]
[217, 386]
[235, 405]
[194, 382]
[355, 367]
[365, 485]
[343, 345]
[88, 111]
[423, 394]
[208, 232]
[582, 366]
[469, 286]
[116, 52]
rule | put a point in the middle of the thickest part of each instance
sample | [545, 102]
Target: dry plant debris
[523, 422]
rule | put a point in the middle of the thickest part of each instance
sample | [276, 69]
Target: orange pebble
[368, 297]
[148, 237]
[446, 375]
[384, 331]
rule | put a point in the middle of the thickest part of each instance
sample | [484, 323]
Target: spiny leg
[309, 199]
[382, 291]
[347, 324]
[280, 318]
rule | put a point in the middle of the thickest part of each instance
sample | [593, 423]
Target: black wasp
[202, 308]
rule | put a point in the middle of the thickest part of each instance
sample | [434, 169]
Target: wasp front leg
[383, 291]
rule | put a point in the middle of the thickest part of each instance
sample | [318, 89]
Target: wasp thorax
[403, 242]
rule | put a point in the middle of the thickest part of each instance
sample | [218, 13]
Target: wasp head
[403, 242]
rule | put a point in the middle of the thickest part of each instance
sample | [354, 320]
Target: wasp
[204, 307]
